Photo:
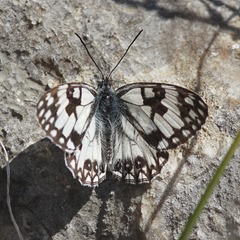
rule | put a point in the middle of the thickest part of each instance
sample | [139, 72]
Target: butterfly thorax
[108, 115]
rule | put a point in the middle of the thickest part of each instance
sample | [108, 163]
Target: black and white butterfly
[126, 131]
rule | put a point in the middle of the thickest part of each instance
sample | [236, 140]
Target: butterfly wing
[66, 114]
[86, 162]
[134, 160]
[155, 117]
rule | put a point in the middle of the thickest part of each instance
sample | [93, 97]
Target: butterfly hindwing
[86, 162]
[134, 160]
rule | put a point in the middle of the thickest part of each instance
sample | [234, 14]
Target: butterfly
[126, 131]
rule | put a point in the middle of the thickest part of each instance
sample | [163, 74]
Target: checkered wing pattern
[127, 131]
[66, 114]
[156, 117]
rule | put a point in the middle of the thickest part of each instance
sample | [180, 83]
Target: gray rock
[194, 44]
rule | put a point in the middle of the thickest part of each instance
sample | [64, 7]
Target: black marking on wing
[66, 97]
[176, 113]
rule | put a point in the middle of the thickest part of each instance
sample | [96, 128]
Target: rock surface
[194, 44]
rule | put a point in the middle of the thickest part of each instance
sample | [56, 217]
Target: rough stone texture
[195, 44]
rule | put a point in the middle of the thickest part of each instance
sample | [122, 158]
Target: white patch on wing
[43, 121]
[61, 92]
[142, 118]
[62, 98]
[173, 119]
[188, 120]
[192, 114]
[189, 101]
[175, 140]
[168, 104]
[41, 113]
[47, 115]
[168, 87]
[62, 106]
[82, 117]
[67, 129]
[47, 127]
[202, 103]
[186, 133]
[91, 130]
[161, 145]
[194, 127]
[64, 86]
[53, 133]
[172, 92]
[48, 95]
[147, 110]
[61, 140]
[133, 96]
[76, 93]
[50, 101]
[149, 93]
[165, 142]
[201, 112]
[79, 109]
[73, 164]
[88, 97]
[171, 98]
[40, 104]
[61, 120]
[163, 126]
[70, 145]
[51, 120]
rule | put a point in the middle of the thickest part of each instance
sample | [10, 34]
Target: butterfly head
[105, 84]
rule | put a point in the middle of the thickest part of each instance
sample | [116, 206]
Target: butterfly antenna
[124, 53]
[90, 55]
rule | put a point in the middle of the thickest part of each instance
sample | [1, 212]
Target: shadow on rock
[44, 195]
[120, 212]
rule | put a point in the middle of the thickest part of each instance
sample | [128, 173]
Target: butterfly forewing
[65, 113]
[164, 115]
